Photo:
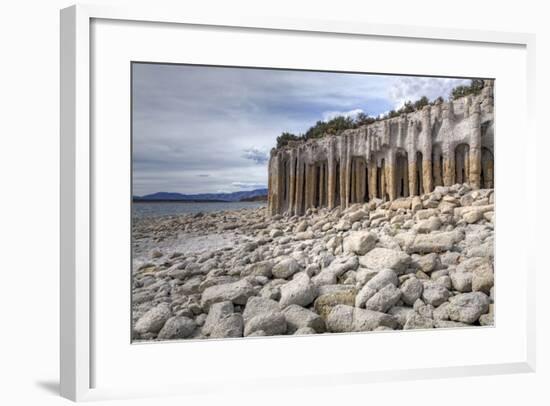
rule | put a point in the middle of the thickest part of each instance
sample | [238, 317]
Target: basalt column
[276, 184]
[331, 181]
[426, 136]
[300, 174]
[345, 184]
[372, 175]
[448, 149]
[270, 208]
[448, 166]
[412, 167]
[462, 163]
[475, 146]
[416, 181]
[401, 177]
[487, 171]
[437, 166]
[292, 182]
[389, 177]
[310, 185]
[357, 181]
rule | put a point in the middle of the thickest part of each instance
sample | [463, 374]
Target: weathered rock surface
[177, 327]
[230, 326]
[411, 290]
[360, 242]
[285, 268]
[423, 262]
[300, 291]
[467, 307]
[384, 299]
[270, 323]
[153, 320]
[343, 318]
[298, 318]
[236, 292]
[384, 258]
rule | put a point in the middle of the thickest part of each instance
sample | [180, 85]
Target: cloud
[256, 155]
[200, 129]
[248, 185]
[413, 88]
[329, 115]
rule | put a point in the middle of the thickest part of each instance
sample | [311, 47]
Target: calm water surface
[156, 209]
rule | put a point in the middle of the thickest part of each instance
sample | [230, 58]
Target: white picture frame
[77, 220]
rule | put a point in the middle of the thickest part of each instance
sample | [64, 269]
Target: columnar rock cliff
[440, 145]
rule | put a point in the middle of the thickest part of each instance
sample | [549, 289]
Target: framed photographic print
[323, 196]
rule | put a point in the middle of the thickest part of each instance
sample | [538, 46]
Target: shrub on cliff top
[474, 88]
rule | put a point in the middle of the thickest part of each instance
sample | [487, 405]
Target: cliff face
[442, 144]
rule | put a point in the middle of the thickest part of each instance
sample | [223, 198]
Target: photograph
[279, 202]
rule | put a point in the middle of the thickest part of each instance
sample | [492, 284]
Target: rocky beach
[419, 262]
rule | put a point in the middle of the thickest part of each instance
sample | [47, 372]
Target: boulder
[363, 296]
[337, 268]
[433, 242]
[153, 320]
[229, 326]
[275, 233]
[384, 299]
[411, 290]
[211, 281]
[401, 314]
[487, 319]
[215, 314]
[344, 319]
[483, 278]
[360, 242]
[385, 258]
[426, 263]
[357, 215]
[468, 307]
[304, 331]
[324, 304]
[383, 278]
[285, 268]
[262, 268]
[429, 225]
[300, 291]
[416, 321]
[236, 292]
[416, 204]
[302, 226]
[434, 293]
[461, 280]
[259, 305]
[177, 327]
[401, 203]
[304, 235]
[270, 323]
[298, 318]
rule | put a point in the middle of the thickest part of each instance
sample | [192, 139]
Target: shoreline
[423, 262]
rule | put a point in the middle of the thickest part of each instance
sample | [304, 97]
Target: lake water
[156, 209]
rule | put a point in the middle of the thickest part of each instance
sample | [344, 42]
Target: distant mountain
[246, 195]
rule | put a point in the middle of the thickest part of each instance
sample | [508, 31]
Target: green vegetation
[461, 91]
[338, 124]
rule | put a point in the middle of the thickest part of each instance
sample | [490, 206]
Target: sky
[199, 129]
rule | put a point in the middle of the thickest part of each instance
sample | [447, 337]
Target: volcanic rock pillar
[475, 146]
[331, 182]
[372, 178]
[389, 174]
[427, 176]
